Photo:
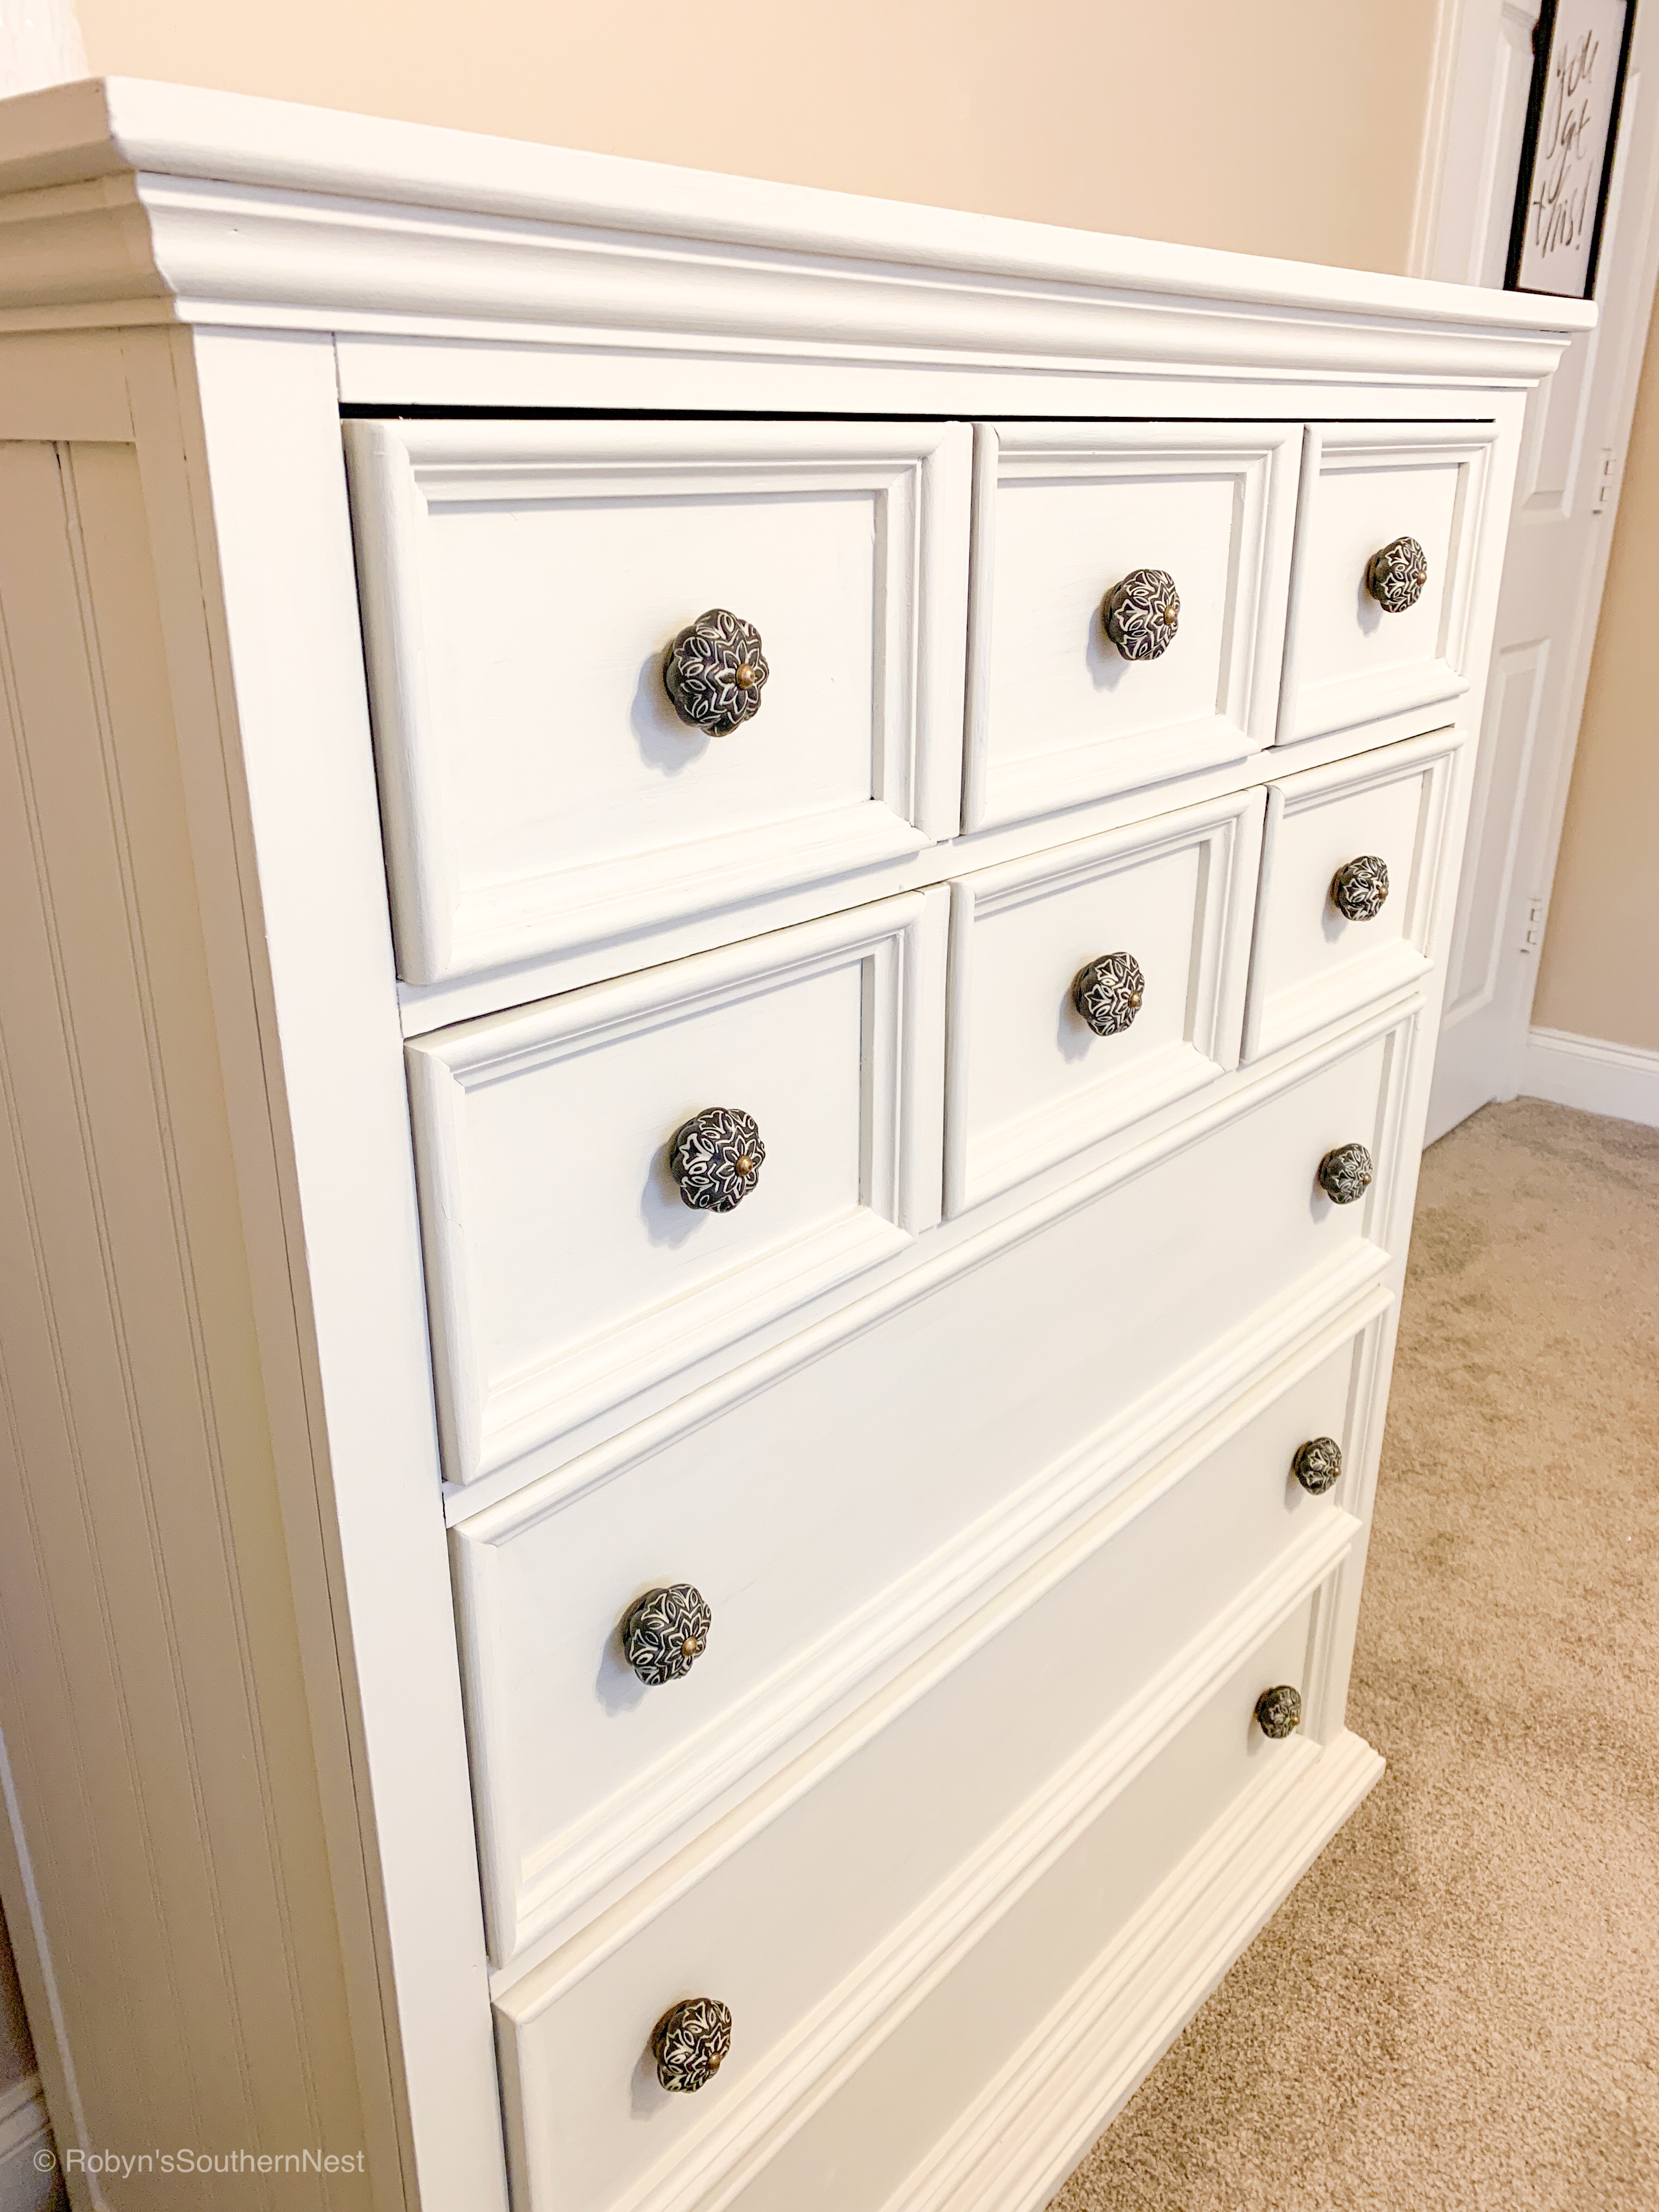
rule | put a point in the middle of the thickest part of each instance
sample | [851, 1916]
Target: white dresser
[723, 913]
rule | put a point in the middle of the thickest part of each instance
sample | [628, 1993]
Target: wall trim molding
[25, 2132]
[1620, 1080]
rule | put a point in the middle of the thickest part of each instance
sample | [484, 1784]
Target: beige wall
[1293, 129]
[1600, 973]
[16, 2057]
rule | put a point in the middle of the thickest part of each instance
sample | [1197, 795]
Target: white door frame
[1466, 180]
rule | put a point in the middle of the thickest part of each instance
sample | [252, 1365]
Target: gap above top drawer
[521, 584]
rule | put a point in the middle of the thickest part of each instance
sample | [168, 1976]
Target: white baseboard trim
[1617, 1079]
[25, 2132]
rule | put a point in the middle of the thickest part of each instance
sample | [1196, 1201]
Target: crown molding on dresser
[127, 202]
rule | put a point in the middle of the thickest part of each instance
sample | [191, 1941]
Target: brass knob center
[690, 1647]
[747, 675]
[1171, 615]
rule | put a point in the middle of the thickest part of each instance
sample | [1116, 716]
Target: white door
[1577, 429]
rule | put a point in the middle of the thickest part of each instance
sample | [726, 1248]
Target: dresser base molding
[1028, 2132]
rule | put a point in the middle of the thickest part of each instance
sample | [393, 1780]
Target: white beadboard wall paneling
[1621, 1080]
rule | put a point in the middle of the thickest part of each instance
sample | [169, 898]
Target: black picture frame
[1537, 151]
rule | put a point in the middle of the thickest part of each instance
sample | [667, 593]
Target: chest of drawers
[724, 917]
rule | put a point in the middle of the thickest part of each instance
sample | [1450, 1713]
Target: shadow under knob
[1360, 888]
[666, 1633]
[715, 672]
[1396, 576]
[1142, 614]
[1346, 1174]
[690, 2043]
[1318, 1465]
[716, 1159]
[1279, 1711]
[1108, 993]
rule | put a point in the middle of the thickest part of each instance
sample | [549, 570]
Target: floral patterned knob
[1396, 576]
[1359, 887]
[1317, 1465]
[1108, 993]
[1279, 1711]
[666, 1633]
[1346, 1174]
[690, 2043]
[715, 672]
[1142, 614]
[716, 1159]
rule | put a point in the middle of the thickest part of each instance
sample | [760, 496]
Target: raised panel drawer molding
[724, 916]
[524, 583]
[1382, 601]
[1352, 862]
[576, 1254]
[1128, 605]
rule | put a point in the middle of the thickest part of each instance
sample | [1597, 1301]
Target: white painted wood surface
[1572, 458]
[522, 582]
[1029, 1084]
[1311, 964]
[566, 1272]
[1062, 513]
[902, 1480]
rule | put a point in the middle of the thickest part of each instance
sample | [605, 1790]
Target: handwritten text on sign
[1573, 148]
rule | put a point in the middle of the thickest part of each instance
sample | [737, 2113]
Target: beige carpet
[1459, 2006]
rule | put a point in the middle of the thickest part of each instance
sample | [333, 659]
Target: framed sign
[1580, 51]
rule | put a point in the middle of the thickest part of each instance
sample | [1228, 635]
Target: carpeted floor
[1459, 2006]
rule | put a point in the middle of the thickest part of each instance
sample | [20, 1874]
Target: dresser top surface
[101, 131]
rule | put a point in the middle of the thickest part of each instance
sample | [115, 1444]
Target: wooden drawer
[520, 582]
[820, 1921]
[1030, 1079]
[1312, 961]
[1063, 513]
[1365, 486]
[839, 1500]
[565, 1270]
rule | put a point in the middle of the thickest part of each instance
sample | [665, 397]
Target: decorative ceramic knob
[666, 1632]
[1318, 1465]
[716, 1159]
[1359, 887]
[1279, 1711]
[1396, 576]
[691, 2042]
[1142, 614]
[715, 671]
[1346, 1174]
[1108, 993]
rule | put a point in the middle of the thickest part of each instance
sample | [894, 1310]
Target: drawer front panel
[1312, 962]
[565, 1268]
[1349, 659]
[521, 583]
[1029, 1080]
[838, 1507]
[1063, 513]
[819, 1924]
